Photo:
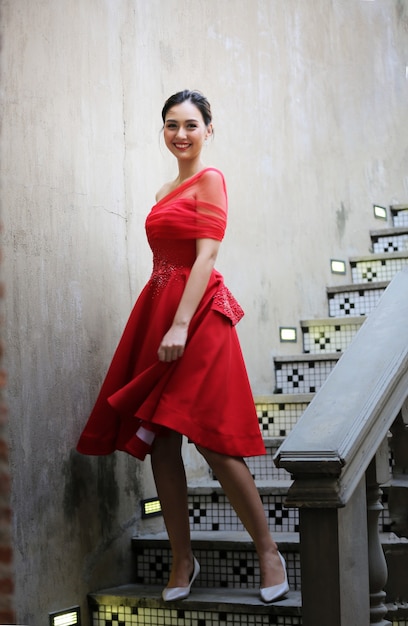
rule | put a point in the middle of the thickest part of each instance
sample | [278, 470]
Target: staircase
[226, 593]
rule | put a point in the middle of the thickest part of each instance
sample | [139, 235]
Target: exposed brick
[6, 554]
[7, 617]
[6, 586]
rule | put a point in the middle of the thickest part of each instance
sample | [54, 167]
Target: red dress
[205, 394]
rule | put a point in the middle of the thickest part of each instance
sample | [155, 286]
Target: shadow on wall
[91, 502]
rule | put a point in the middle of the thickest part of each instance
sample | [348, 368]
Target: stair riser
[327, 339]
[120, 615]
[376, 270]
[276, 419]
[393, 243]
[212, 512]
[400, 218]
[263, 467]
[351, 303]
[302, 377]
[234, 569]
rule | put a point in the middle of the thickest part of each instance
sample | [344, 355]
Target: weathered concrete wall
[310, 107]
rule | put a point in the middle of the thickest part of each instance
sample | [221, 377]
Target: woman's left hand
[173, 344]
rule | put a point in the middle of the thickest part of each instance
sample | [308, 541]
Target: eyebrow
[171, 120]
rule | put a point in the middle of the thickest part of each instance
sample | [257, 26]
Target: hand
[173, 344]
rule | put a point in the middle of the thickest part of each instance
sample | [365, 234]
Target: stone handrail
[335, 445]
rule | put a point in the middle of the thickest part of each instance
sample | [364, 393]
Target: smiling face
[185, 131]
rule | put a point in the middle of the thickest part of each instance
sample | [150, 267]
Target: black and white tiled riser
[220, 568]
[111, 615]
[330, 337]
[382, 268]
[391, 243]
[277, 416]
[263, 467]
[354, 302]
[302, 376]
[399, 217]
[212, 512]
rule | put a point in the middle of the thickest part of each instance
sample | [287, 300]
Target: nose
[181, 133]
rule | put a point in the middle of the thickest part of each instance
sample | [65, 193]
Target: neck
[187, 170]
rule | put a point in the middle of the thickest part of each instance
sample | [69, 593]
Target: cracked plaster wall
[310, 104]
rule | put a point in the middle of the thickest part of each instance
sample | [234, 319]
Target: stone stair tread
[379, 256]
[381, 284]
[210, 599]
[297, 358]
[334, 321]
[286, 541]
[282, 398]
[220, 538]
[205, 487]
[385, 232]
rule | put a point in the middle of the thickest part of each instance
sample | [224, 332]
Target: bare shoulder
[164, 190]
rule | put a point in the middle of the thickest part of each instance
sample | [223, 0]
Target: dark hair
[195, 97]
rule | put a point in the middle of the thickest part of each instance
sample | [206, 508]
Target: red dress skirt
[205, 394]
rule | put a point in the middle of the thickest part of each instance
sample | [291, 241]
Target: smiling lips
[182, 146]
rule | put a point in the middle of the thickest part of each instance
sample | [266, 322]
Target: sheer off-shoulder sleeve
[212, 204]
[196, 209]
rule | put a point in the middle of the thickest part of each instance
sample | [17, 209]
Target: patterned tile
[328, 338]
[390, 243]
[263, 467]
[400, 218]
[375, 270]
[353, 303]
[276, 419]
[209, 512]
[136, 616]
[302, 377]
[220, 568]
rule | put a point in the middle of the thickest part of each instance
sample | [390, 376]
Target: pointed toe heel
[169, 594]
[271, 594]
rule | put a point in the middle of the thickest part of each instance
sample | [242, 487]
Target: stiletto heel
[179, 593]
[270, 594]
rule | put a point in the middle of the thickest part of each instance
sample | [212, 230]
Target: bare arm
[174, 341]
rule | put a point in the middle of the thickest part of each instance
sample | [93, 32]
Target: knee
[216, 459]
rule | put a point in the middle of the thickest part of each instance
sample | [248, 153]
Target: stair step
[303, 373]
[399, 214]
[390, 240]
[278, 413]
[377, 267]
[263, 467]
[134, 605]
[329, 335]
[210, 510]
[142, 605]
[227, 559]
[354, 299]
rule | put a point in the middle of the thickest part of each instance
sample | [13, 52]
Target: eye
[192, 126]
[171, 125]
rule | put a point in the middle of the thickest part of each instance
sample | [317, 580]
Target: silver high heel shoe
[179, 593]
[270, 594]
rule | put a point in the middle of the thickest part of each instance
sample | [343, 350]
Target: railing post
[377, 473]
[334, 563]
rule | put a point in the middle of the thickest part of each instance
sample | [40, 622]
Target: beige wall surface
[310, 111]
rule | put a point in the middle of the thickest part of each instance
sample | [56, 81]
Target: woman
[178, 369]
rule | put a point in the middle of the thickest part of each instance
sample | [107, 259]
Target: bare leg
[241, 491]
[171, 484]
